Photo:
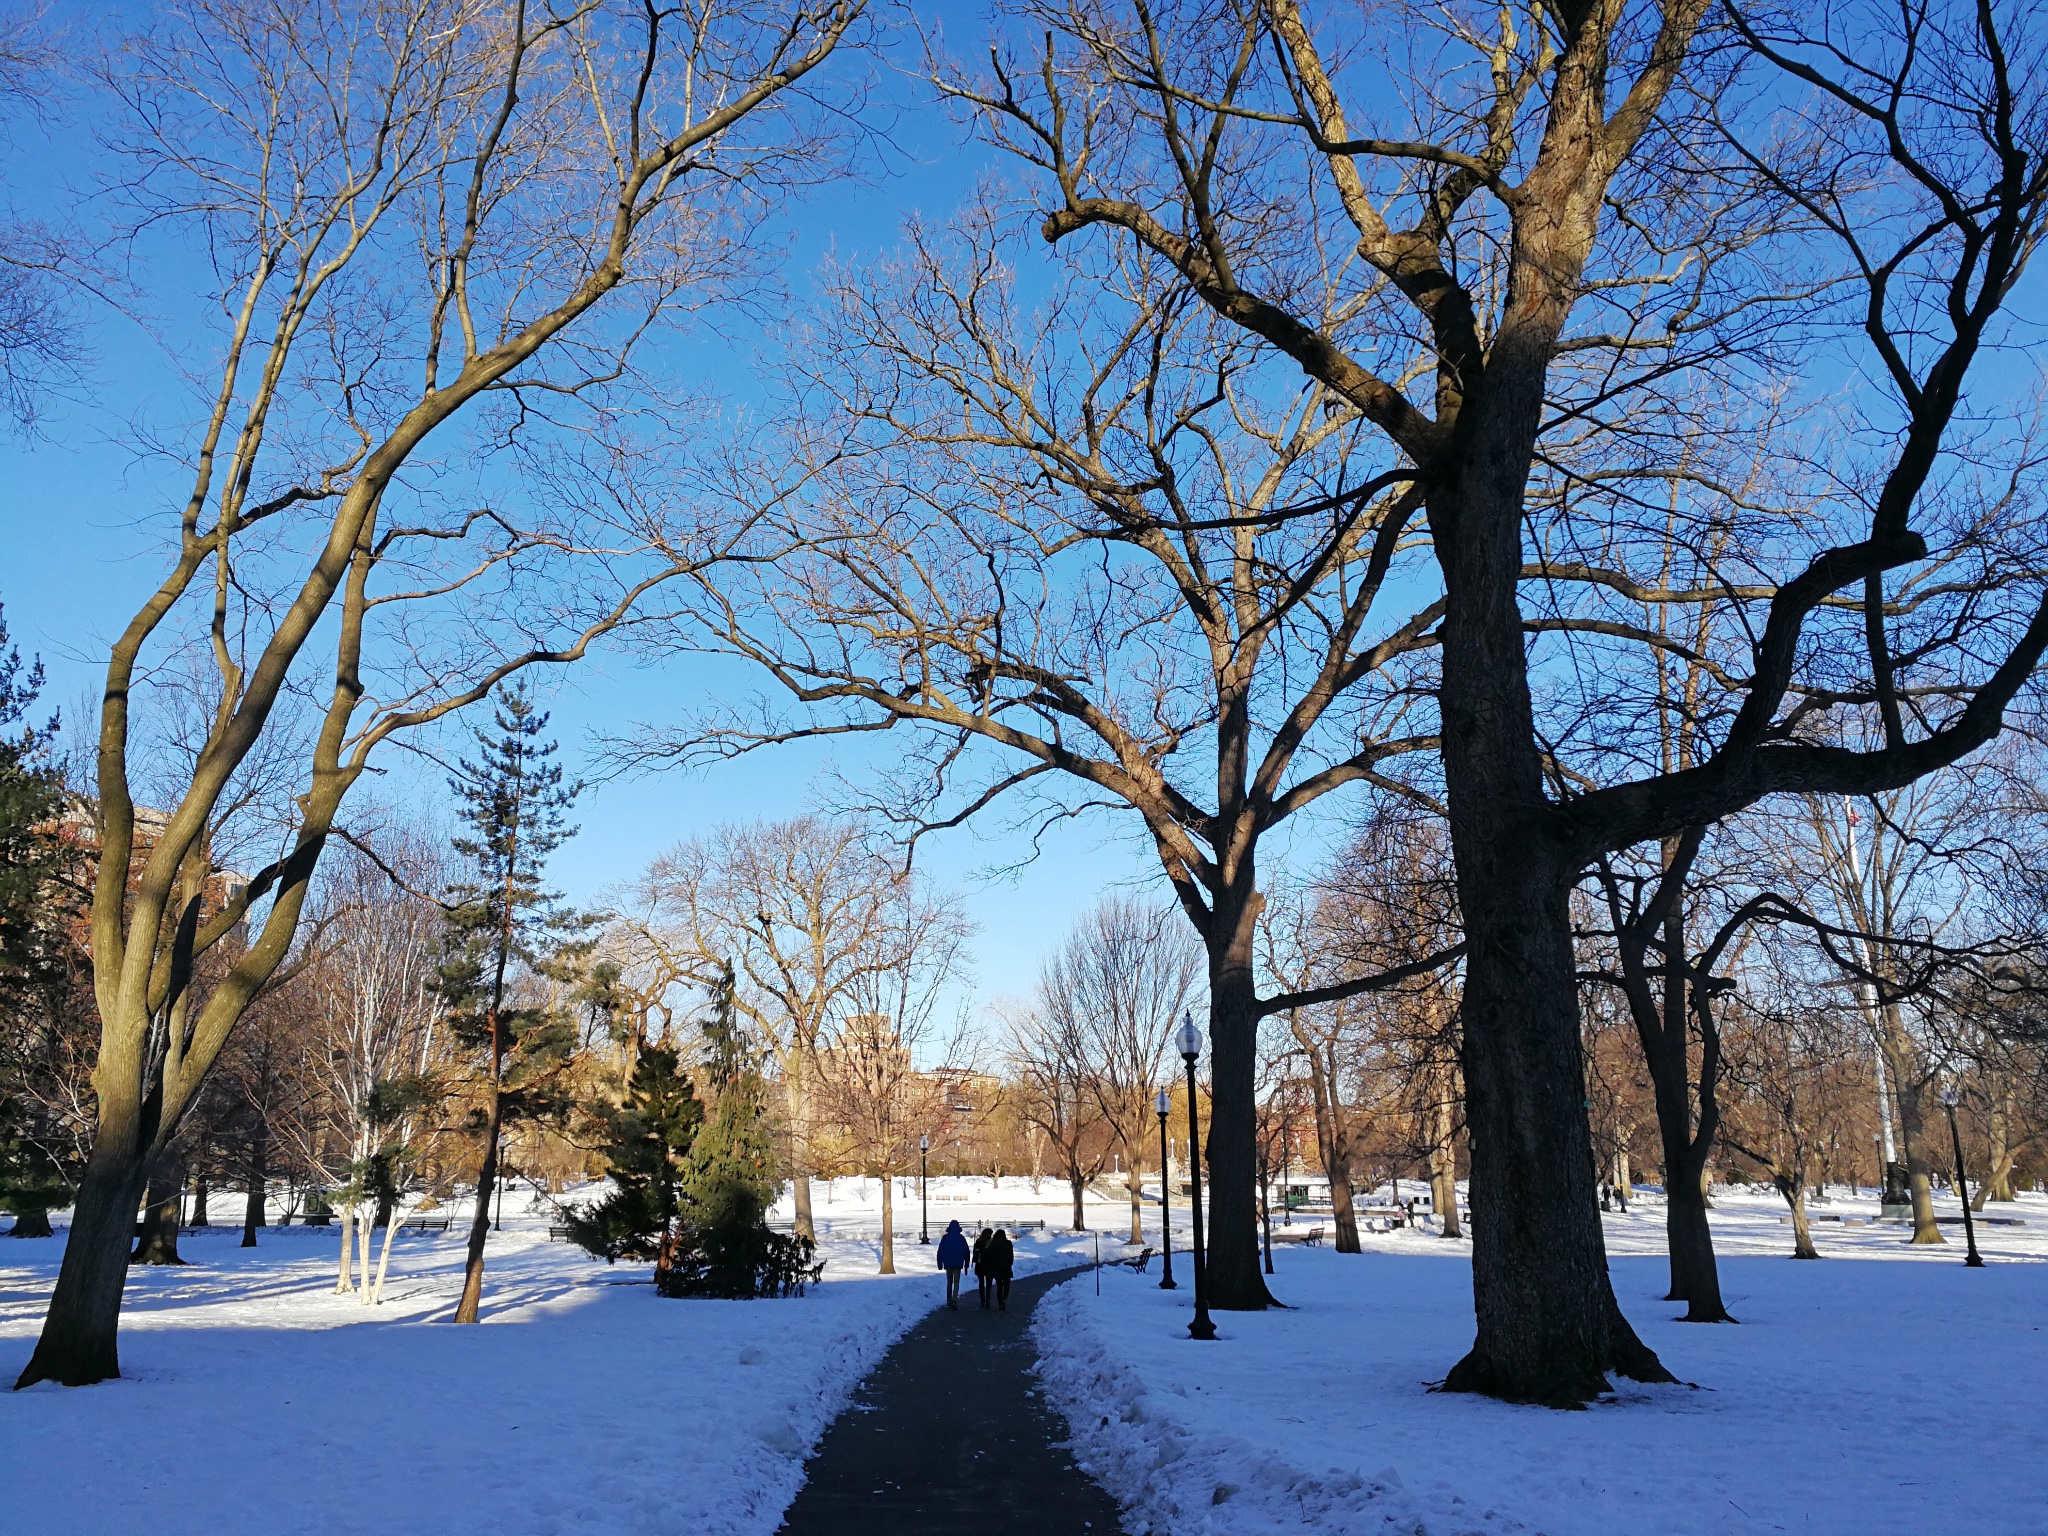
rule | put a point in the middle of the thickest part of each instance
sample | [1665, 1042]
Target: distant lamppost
[924, 1189]
[1164, 1104]
[1976, 1259]
[1190, 1050]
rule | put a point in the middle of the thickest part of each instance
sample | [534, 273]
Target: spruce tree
[39, 954]
[503, 922]
[648, 1148]
[724, 1246]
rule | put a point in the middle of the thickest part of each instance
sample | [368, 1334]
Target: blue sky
[83, 513]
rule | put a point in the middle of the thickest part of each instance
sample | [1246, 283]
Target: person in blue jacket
[953, 1259]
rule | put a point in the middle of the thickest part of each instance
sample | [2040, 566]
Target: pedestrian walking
[981, 1275]
[999, 1263]
[953, 1259]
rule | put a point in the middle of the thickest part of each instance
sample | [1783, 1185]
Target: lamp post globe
[1164, 1104]
[924, 1187]
[1190, 1041]
[1975, 1260]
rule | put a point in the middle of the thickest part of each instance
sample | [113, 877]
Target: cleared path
[948, 1435]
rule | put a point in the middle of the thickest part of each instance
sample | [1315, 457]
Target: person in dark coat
[981, 1276]
[999, 1263]
[953, 1259]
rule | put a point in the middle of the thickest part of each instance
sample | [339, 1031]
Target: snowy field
[256, 1402]
[1885, 1389]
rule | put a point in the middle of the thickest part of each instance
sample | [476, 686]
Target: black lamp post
[1164, 1104]
[1976, 1259]
[1190, 1049]
[924, 1189]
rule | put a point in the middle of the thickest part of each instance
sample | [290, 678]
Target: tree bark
[480, 1222]
[1906, 1095]
[1794, 1191]
[888, 1226]
[199, 1192]
[80, 1339]
[344, 1281]
[1137, 1204]
[1333, 1139]
[2003, 1156]
[1235, 1277]
[1076, 1185]
[158, 1243]
[1695, 1274]
[799, 1149]
[1443, 1165]
[31, 1221]
[252, 1209]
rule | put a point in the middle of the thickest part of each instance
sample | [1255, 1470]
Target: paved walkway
[948, 1437]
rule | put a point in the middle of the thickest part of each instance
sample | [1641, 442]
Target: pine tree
[648, 1147]
[503, 923]
[39, 957]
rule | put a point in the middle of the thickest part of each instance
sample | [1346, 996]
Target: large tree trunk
[252, 1209]
[199, 1193]
[80, 1339]
[1912, 1138]
[158, 1242]
[1137, 1204]
[1343, 1209]
[34, 1221]
[1794, 1191]
[1076, 1186]
[1235, 1279]
[1695, 1273]
[1549, 1328]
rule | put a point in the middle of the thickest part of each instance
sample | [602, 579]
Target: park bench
[1135, 1262]
[425, 1224]
[1313, 1236]
[560, 1234]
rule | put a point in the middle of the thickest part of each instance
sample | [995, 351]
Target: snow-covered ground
[256, 1402]
[1885, 1389]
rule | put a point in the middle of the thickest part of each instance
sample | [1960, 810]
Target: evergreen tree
[40, 956]
[724, 1246]
[648, 1148]
[504, 926]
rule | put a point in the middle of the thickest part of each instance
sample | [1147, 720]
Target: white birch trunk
[344, 1281]
[376, 1297]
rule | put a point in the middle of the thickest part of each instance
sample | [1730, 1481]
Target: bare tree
[1505, 213]
[375, 1041]
[1048, 1064]
[1113, 993]
[882, 1079]
[421, 213]
[805, 911]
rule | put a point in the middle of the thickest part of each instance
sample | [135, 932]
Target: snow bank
[1882, 1390]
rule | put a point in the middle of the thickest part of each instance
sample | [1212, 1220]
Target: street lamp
[924, 1189]
[1164, 1104]
[1976, 1259]
[1190, 1049]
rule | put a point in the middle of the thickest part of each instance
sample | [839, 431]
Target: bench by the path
[949, 1435]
